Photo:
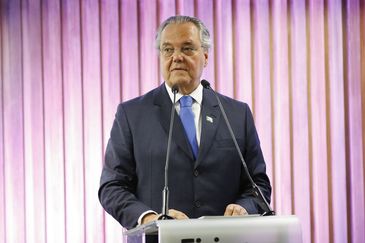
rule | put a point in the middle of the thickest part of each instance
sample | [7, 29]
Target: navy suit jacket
[132, 178]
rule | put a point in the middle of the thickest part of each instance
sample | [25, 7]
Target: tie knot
[186, 101]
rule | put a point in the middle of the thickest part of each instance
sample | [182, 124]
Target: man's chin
[179, 82]
[185, 86]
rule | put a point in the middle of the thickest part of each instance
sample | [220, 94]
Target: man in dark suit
[206, 176]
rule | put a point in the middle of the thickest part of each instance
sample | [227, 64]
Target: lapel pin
[209, 119]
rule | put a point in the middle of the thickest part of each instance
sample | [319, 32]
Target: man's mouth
[178, 69]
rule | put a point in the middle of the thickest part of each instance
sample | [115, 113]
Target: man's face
[182, 58]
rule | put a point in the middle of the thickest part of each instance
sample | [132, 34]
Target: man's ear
[206, 59]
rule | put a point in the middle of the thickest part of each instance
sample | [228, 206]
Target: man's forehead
[182, 33]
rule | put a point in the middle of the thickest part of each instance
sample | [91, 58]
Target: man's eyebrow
[166, 44]
[189, 42]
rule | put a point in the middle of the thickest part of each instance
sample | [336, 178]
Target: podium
[240, 229]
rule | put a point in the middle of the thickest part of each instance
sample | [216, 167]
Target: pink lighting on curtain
[66, 64]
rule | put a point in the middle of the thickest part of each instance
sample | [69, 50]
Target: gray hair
[203, 30]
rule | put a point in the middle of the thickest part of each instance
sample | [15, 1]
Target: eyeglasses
[186, 50]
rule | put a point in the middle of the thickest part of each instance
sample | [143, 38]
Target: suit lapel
[163, 103]
[210, 119]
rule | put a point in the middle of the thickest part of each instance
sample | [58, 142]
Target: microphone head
[175, 89]
[205, 84]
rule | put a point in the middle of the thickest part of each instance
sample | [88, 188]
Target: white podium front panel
[248, 229]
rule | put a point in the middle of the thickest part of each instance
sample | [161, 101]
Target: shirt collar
[197, 94]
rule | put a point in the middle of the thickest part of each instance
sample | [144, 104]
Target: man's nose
[177, 56]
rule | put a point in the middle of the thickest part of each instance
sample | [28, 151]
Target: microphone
[255, 189]
[165, 192]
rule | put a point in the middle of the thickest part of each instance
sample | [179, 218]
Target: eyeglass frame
[183, 50]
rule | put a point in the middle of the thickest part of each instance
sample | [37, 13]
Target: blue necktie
[187, 118]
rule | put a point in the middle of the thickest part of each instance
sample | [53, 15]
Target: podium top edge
[152, 227]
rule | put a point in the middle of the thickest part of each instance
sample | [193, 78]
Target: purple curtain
[66, 64]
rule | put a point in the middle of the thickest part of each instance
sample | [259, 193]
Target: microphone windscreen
[175, 89]
[205, 84]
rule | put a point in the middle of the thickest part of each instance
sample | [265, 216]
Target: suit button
[196, 173]
[198, 204]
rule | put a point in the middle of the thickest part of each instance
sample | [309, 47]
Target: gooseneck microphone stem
[256, 190]
[165, 192]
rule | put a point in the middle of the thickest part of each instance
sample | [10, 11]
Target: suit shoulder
[139, 102]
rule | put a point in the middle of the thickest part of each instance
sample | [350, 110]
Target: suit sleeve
[256, 165]
[118, 179]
